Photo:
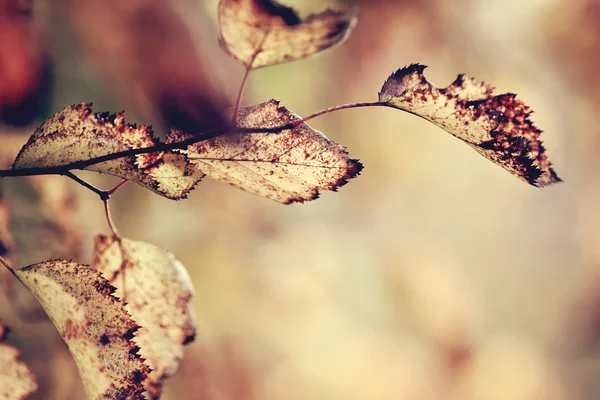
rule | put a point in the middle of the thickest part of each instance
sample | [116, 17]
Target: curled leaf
[158, 290]
[76, 134]
[496, 126]
[290, 166]
[93, 323]
[259, 33]
[16, 380]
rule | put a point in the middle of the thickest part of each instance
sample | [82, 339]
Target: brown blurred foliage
[24, 63]
[146, 53]
[434, 275]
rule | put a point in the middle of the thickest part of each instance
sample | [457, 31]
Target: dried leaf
[174, 177]
[149, 56]
[77, 134]
[158, 291]
[259, 33]
[496, 126]
[16, 379]
[93, 323]
[290, 166]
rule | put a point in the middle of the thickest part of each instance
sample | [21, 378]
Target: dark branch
[104, 195]
[83, 164]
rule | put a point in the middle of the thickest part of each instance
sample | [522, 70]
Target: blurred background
[433, 275]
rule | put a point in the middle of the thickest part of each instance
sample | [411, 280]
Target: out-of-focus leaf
[7, 242]
[158, 290]
[259, 33]
[16, 380]
[496, 126]
[147, 54]
[42, 219]
[77, 134]
[290, 166]
[25, 69]
[93, 323]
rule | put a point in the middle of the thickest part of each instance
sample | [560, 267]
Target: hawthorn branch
[83, 164]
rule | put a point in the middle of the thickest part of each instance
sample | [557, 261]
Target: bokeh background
[433, 275]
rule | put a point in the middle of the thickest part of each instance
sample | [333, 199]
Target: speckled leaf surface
[496, 126]
[77, 134]
[290, 166]
[158, 291]
[93, 323]
[259, 33]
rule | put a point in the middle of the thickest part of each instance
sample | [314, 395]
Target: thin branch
[338, 108]
[83, 164]
[104, 195]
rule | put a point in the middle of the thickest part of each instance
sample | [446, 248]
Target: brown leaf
[259, 33]
[44, 224]
[93, 323]
[147, 54]
[77, 134]
[496, 126]
[290, 166]
[16, 380]
[158, 290]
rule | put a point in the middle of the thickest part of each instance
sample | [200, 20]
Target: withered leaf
[158, 291]
[16, 380]
[93, 323]
[259, 33]
[77, 134]
[496, 126]
[290, 166]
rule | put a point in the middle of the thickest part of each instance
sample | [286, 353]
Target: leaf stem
[238, 100]
[9, 268]
[117, 187]
[338, 108]
[109, 220]
[104, 195]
